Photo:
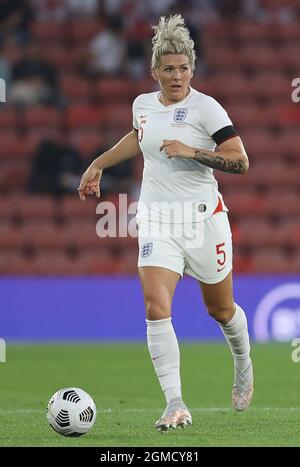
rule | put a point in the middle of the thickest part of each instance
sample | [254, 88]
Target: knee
[221, 313]
[156, 308]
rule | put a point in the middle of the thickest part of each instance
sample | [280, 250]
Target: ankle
[173, 394]
[176, 400]
[242, 364]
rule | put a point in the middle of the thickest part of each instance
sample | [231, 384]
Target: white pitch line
[197, 409]
[203, 409]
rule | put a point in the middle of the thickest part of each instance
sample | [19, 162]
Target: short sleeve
[214, 117]
[134, 116]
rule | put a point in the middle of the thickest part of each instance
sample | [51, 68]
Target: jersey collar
[176, 104]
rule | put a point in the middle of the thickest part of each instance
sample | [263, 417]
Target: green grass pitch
[121, 379]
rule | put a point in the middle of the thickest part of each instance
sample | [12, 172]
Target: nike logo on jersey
[221, 269]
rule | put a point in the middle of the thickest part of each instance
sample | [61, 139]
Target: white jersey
[177, 182]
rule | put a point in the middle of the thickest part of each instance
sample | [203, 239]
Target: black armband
[224, 134]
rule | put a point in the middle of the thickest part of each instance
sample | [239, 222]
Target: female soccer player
[183, 135]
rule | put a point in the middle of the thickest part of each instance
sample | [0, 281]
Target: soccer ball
[71, 412]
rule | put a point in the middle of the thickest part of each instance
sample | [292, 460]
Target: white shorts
[202, 250]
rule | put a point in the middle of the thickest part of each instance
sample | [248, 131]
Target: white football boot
[242, 391]
[176, 415]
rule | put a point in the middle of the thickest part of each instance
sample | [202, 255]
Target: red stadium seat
[113, 89]
[46, 264]
[10, 237]
[270, 261]
[58, 54]
[221, 57]
[47, 31]
[42, 117]
[127, 264]
[8, 208]
[253, 32]
[11, 144]
[75, 88]
[218, 30]
[119, 116]
[244, 202]
[202, 85]
[277, 174]
[289, 31]
[65, 58]
[91, 234]
[238, 87]
[254, 234]
[145, 85]
[43, 236]
[37, 207]
[84, 116]
[127, 244]
[273, 114]
[245, 114]
[293, 232]
[264, 57]
[288, 231]
[14, 146]
[9, 118]
[242, 263]
[289, 140]
[283, 203]
[12, 52]
[83, 30]
[270, 84]
[294, 265]
[261, 233]
[260, 142]
[71, 209]
[288, 117]
[88, 141]
[35, 136]
[78, 58]
[83, 235]
[14, 176]
[101, 263]
[288, 54]
[15, 263]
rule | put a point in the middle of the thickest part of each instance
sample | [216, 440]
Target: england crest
[146, 249]
[180, 114]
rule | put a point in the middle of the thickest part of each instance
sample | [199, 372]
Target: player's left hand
[175, 148]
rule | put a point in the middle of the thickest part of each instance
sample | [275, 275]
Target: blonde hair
[171, 36]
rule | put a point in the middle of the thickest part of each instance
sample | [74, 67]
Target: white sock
[164, 351]
[236, 334]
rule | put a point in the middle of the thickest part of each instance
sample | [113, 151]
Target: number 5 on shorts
[220, 251]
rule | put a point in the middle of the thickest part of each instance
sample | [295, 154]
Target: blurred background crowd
[72, 69]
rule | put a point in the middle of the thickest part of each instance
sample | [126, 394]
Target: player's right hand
[90, 183]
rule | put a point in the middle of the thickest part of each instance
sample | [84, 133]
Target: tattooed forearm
[239, 166]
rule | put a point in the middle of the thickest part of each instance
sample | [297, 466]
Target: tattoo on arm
[219, 163]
